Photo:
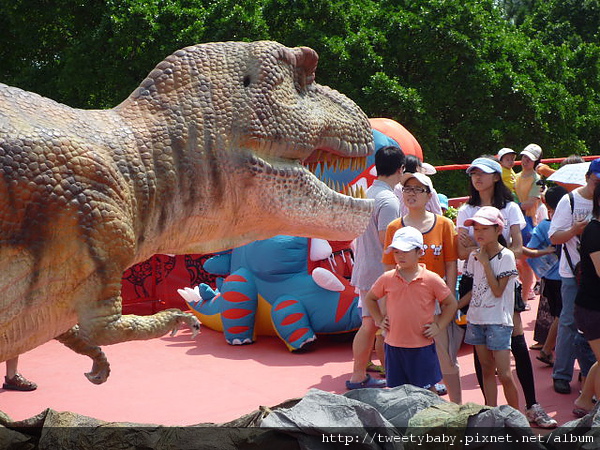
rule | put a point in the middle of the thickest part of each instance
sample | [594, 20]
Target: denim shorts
[494, 337]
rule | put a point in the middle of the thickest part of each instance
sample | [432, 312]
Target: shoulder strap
[572, 202]
[569, 260]
[564, 246]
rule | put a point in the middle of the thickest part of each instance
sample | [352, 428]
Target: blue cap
[443, 200]
[595, 167]
[487, 165]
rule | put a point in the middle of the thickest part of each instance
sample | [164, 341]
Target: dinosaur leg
[106, 329]
[100, 368]
[240, 302]
[101, 323]
[291, 322]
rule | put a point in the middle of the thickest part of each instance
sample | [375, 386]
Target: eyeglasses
[414, 190]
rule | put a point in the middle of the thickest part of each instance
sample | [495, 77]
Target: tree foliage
[466, 77]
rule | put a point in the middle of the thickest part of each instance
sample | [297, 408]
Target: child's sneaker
[441, 389]
[537, 415]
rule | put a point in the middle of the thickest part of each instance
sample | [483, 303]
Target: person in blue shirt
[544, 261]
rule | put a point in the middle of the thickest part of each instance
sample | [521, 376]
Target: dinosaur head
[293, 124]
[254, 110]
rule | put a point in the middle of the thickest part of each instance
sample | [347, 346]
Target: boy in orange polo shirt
[411, 291]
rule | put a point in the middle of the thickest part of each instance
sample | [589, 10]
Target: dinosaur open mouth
[328, 160]
[324, 164]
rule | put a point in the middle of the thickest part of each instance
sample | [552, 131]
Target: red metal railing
[457, 201]
[517, 163]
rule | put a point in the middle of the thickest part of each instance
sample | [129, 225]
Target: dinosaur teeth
[355, 191]
[328, 161]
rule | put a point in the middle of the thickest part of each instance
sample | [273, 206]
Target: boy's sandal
[546, 358]
[366, 383]
[536, 346]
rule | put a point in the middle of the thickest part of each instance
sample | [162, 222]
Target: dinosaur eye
[246, 81]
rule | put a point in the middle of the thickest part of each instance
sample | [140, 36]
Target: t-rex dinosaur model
[206, 154]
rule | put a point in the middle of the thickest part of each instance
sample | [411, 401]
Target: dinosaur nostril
[246, 81]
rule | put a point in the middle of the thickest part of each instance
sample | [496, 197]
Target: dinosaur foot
[190, 320]
[306, 346]
[100, 372]
[240, 341]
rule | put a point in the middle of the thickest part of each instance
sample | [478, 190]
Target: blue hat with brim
[486, 165]
[443, 200]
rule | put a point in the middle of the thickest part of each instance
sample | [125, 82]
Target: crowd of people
[511, 239]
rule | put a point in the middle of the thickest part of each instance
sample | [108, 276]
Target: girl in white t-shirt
[487, 189]
[491, 307]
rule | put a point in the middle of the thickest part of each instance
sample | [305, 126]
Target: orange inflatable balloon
[391, 128]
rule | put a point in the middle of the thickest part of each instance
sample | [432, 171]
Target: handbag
[519, 303]
[465, 285]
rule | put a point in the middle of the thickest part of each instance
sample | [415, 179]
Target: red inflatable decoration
[391, 128]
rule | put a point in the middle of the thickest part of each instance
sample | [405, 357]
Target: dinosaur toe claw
[239, 341]
[98, 377]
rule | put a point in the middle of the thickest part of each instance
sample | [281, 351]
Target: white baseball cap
[420, 177]
[406, 239]
[428, 169]
[532, 151]
[505, 151]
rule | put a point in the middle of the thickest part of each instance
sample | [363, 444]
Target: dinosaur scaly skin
[204, 155]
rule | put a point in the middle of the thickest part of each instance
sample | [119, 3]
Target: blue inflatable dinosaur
[268, 290]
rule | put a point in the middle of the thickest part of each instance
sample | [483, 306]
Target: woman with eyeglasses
[488, 189]
[412, 165]
[439, 256]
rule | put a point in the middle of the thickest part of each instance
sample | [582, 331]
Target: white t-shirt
[485, 308]
[563, 220]
[541, 214]
[511, 213]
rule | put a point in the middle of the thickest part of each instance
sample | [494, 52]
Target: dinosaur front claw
[190, 320]
[194, 324]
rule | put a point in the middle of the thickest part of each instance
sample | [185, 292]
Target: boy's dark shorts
[417, 366]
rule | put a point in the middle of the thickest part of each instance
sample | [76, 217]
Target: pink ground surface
[180, 381]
